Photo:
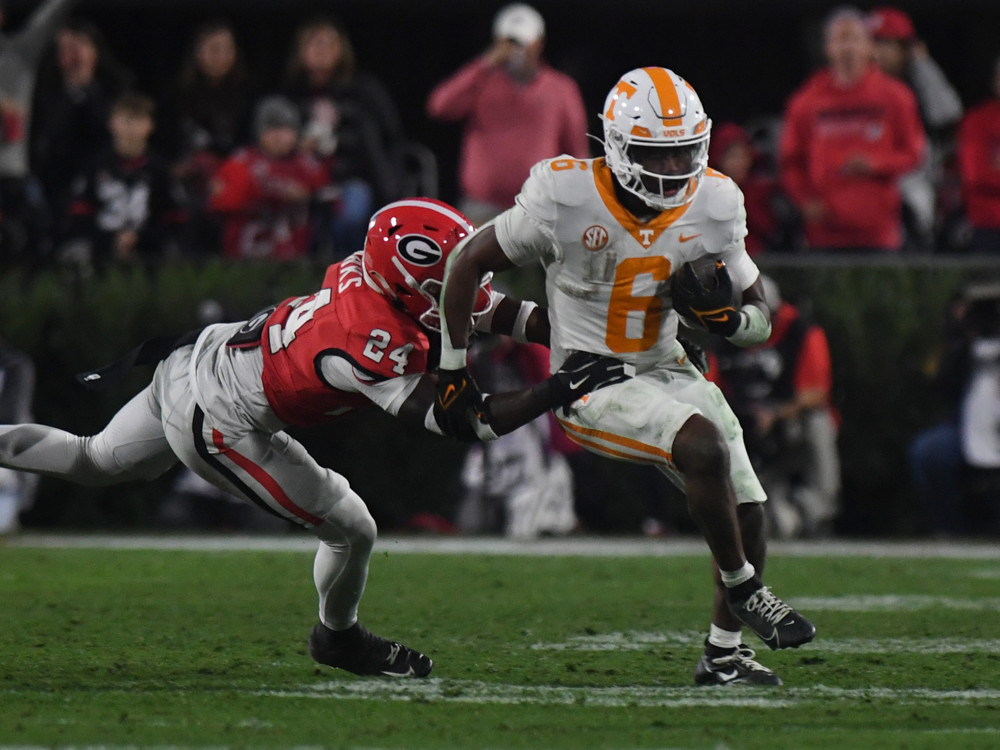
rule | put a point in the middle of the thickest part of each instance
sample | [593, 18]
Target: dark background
[745, 57]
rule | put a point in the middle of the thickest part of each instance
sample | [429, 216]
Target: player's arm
[480, 255]
[458, 396]
[522, 320]
[500, 413]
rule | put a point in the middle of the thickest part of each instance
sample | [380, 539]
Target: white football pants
[163, 423]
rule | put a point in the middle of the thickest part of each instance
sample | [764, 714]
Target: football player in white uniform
[220, 401]
[611, 233]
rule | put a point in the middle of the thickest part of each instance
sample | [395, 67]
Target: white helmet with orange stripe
[656, 136]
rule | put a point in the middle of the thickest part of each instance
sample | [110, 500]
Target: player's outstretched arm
[457, 393]
[500, 413]
[480, 254]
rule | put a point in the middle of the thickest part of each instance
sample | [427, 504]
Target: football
[684, 287]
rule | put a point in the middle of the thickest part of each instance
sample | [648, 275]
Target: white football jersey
[607, 274]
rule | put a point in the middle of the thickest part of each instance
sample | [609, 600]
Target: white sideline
[575, 546]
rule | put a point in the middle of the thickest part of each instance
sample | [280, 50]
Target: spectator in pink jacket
[517, 110]
[850, 132]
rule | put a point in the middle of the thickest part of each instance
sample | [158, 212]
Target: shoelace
[394, 649]
[770, 607]
[744, 656]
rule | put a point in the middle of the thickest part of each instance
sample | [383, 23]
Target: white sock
[736, 577]
[724, 638]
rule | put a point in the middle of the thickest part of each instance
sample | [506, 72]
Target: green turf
[170, 648]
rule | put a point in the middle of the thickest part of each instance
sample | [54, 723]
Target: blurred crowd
[875, 152]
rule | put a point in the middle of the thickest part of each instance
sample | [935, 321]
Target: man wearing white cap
[517, 111]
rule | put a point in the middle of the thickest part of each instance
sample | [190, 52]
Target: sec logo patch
[595, 237]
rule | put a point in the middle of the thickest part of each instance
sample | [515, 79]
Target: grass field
[194, 648]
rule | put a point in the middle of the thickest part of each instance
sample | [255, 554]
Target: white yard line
[643, 640]
[474, 691]
[564, 547]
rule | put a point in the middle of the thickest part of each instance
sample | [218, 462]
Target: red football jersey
[347, 319]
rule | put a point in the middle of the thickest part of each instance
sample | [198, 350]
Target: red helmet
[407, 246]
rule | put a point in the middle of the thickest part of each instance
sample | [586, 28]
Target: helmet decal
[663, 97]
[419, 250]
[406, 247]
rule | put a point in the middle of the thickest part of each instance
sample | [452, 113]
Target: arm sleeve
[939, 101]
[388, 395]
[455, 97]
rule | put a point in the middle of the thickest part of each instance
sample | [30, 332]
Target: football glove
[458, 401]
[583, 372]
[695, 354]
[714, 307]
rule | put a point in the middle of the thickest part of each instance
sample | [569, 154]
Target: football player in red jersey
[219, 403]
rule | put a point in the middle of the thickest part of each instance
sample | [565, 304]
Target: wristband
[519, 332]
[451, 358]
[754, 328]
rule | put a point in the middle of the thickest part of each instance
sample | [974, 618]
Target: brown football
[683, 286]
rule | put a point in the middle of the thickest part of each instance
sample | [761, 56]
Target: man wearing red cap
[850, 132]
[900, 53]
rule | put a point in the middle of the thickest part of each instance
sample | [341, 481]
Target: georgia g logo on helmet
[419, 250]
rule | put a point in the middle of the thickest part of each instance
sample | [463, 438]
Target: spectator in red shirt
[266, 191]
[903, 55]
[782, 393]
[850, 132]
[979, 167]
[517, 111]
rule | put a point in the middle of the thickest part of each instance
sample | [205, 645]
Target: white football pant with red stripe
[163, 423]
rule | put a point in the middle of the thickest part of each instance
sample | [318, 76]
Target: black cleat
[732, 667]
[774, 622]
[362, 652]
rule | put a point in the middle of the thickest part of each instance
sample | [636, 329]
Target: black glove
[458, 400]
[712, 307]
[583, 372]
[695, 353]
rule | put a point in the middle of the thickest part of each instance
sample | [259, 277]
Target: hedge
[883, 319]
